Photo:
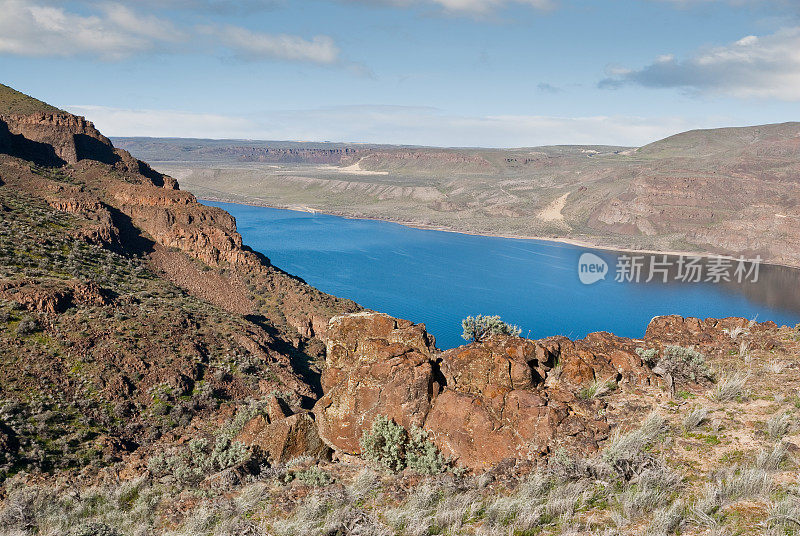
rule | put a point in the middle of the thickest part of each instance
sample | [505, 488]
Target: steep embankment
[129, 311]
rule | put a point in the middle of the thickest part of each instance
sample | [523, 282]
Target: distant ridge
[704, 143]
[15, 102]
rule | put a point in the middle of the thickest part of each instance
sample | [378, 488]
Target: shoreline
[424, 227]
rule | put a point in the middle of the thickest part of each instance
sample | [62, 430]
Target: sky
[489, 73]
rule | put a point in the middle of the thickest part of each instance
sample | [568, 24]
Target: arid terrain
[159, 377]
[728, 191]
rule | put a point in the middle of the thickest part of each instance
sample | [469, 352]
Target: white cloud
[392, 124]
[762, 67]
[253, 45]
[114, 32]
[163, 123]
[482, 6]
[470, 7]
[28, 29]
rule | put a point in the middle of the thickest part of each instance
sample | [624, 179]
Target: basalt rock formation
[375, 365]
[504, 397]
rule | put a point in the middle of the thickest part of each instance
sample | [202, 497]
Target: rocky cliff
[156, 317]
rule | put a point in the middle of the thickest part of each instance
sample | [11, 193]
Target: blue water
[438, 278]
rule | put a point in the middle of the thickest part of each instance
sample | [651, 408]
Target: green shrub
[193, 462]
[27, 327]
[384, 444]
[389, 445]
[649, 356]
[94, 529]
[479, 327]
[422, 456]
[314, 476]
[683, 364]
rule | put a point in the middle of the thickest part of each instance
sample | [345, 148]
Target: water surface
[438, 278]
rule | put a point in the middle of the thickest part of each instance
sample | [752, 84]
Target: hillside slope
[14, 102]
[130, 311]
[730, 191]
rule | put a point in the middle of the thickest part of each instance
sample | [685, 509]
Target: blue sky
[495, 73]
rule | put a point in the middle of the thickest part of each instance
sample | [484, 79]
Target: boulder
[504, 397]
[375, 365]
[284, 439]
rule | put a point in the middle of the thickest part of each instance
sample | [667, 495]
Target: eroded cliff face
[122, 205]
[136, 208]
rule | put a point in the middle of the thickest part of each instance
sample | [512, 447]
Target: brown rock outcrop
[501, 398]
[711, 333]
[65, 137]
[284, 439]
[53, 297]
[376, 365]
[504, 399]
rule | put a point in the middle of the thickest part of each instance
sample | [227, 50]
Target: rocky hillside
[728, 191]
[159, 377]
[128, 308]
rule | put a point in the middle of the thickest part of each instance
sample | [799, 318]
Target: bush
[629, 454]
[479, 327]
[422, 455]
[695, 418]
[314, 477]
[596, 389]
[731, 387]
[771, 459]
[94, 529]
[387, 444]
[27, 327]
[383, 444]
[778, 426]
[649, 356]
[195, 461]
[683, 364]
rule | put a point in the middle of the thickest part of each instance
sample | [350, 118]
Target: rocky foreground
[159, 377]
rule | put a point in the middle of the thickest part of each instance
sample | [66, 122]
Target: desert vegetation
[476, 328]
[644, 481]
